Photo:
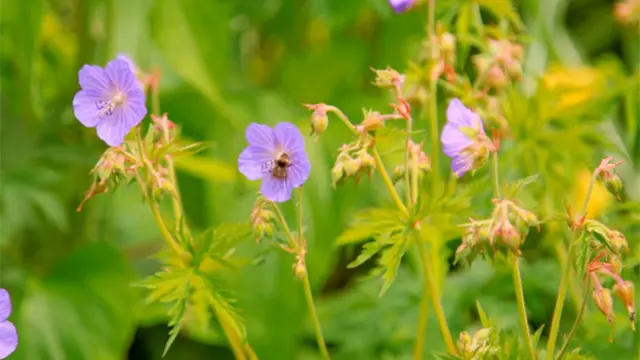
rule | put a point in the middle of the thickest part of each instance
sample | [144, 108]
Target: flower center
[278, 167]
[106, 107]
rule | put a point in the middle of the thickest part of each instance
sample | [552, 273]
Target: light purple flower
[463, 139]
[132, 66]
[275, 155]
[8, 333]
[110, 100]
[400, 6]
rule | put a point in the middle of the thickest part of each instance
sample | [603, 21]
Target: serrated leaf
[371, 223]
[368, 251]
[390, 262]
[177, 313]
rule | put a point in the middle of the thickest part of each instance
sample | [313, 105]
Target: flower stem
[496, 175]
[422, 319]
[430, 283]
[307, 284]
[314, 316]
[583, 307]
[522, 310]
[408, 184]
[564, 280]
[153, 205]
[433, 101]
[388, 183]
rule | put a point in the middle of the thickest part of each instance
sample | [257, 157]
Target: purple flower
[463, 139]
[8, 333]
[400, 6]
[110, 100]
[277, 156]
[132, 66]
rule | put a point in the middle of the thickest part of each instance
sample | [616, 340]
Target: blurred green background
[225, 64]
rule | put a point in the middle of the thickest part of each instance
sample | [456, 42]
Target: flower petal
[275, 189]
[453, 140]
[134, 106]
[262, 136]
[92, 77]
[298, 172]
[121, 76]
[459, 115]
[112, 129]
[288, 136]
[458, 166]
[85, 107]
[8, 339]
[5, 305]
[252, 162]
[400, 6]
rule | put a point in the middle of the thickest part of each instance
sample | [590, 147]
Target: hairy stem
[522, 310]
[564, 280]
[433, 102]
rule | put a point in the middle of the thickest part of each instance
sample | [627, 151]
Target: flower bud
[352, 166]
[613, 184]
[496, 77]
[373, 121]
[447, 42]
[624, 292]
[482, 335]
[319, 119]
[604, 301]
[482, 63]
[337, 173]
[515, 70]
[617, 240]
[398, 173]
[388, 78]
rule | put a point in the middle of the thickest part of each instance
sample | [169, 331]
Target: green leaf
[513, 189]
[536, 336]
[369, 250]
[370, 223]
[390, 262]
[83, 310]
[484, 320]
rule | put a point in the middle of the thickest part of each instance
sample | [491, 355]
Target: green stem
[564, 280]
[388, 183]
[407, 155]
[496, 178]
[433, 104]
[430, 283]
[166, 234]
[314, 316]
[423, 317]
[285, 226]
[585, 300]
[522, 310]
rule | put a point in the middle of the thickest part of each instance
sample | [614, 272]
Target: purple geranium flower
[463, 139]
[277, 156]
[400, 6]
[110, 100]
[8, 333]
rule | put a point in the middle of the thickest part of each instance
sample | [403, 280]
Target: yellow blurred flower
[600, 198]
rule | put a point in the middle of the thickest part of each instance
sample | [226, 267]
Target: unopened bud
[482, 335]
[515, 70]
[624, 292]
[398, 173]
[613, 183]
[482, 63]
[388, 78]
[617, 240]
[319, 123]
[447, 42]
[373, 121]
[496, 77]
[352, 166]
[337, 173]
[604, 301]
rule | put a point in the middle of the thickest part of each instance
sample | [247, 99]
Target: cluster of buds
[505, 214]
[262, 218]
[507, 228]
[608, 177]
[418, 161]
[442, 51]
[352, 161]
[502, 63]
[162, 131]
[477, 346]
[114, 166]
[623, 289]
[628, 12]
